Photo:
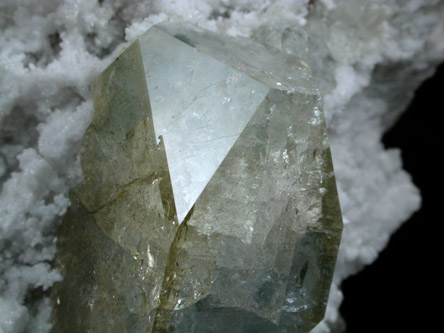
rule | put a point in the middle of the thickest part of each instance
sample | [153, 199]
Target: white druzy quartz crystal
[379, 52]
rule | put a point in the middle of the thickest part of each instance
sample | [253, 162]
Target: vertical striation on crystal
[209, 202]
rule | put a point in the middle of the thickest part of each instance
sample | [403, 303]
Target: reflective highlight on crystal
[212, 104]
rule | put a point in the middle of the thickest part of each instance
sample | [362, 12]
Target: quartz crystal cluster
[209, 202]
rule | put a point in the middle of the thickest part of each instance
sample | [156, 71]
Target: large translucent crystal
[209, 202]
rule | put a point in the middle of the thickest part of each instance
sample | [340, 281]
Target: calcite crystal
[209, 202]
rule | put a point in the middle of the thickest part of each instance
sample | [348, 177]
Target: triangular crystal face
[199, 106]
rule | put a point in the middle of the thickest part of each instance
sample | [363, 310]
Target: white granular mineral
[379, 52]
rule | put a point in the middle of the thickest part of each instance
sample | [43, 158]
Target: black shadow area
[402, 290]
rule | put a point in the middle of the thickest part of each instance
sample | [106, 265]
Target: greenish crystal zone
[209, 202]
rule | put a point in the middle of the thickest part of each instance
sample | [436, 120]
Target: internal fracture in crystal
[209, 202]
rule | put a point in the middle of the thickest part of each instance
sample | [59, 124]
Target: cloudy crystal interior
[209, 202]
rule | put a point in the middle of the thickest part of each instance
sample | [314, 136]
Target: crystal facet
[209, 202]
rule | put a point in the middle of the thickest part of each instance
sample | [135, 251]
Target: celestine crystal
[209, 202]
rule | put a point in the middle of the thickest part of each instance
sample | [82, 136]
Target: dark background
[401, 291]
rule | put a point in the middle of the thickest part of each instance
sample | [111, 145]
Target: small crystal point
[209, 202]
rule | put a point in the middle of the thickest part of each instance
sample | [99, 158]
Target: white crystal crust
[52, 50]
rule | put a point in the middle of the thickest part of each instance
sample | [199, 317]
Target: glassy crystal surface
[209, 202]
[307, 45]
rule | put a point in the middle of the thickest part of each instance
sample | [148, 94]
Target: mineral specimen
[209, 202]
